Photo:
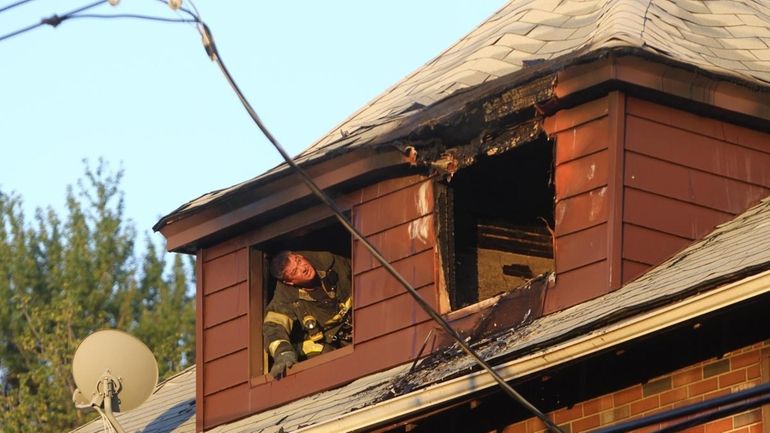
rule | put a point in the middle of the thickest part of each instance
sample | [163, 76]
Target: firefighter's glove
[282, 361]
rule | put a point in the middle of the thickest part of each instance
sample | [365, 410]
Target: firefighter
[313, 294]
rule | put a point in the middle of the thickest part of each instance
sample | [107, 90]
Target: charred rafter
[486, 127]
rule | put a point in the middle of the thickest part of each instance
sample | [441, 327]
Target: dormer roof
[727, 38]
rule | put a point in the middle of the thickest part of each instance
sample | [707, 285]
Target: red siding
[395, 243]
[226, 304]
[394, 208]
[635, 238]
[226, 372]
[583, 173]
[637, 182]
[674, 217]
[684, 174]
[403, 223]
[397, 313]
[380, 285]
[225, 271]
[226, 405]
[224, 336]
[582, 248]
[397, 215]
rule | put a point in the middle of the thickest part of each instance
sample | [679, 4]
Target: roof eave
[580, 347]
[570, 79]
[185, 233]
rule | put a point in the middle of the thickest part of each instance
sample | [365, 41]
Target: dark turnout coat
[322, 314]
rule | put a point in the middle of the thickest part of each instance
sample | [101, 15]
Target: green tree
[64, 278]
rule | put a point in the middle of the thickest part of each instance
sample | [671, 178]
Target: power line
[214, 54]
[53, 21]
[13, 5]
[133, 16]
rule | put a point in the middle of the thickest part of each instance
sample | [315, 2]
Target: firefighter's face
[298, 272]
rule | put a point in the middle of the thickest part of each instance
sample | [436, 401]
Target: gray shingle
[735, 247]
[545, 29]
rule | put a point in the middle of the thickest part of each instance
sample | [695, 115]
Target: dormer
[586, 158]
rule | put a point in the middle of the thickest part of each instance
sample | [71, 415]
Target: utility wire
[133, 16]
[211, 50]
[13, 5]
[53, 21]
[214, 55]
[698, 413]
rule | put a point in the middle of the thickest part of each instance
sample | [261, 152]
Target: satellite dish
[113, 371]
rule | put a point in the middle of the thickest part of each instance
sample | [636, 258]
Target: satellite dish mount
[104, 399]
[119, 371]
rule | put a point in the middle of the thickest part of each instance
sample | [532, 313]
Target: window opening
[495, 218]
[309, 310]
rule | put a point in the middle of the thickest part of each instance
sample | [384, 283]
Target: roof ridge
[644, 22]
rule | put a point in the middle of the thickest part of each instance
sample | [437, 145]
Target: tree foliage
[64, 277]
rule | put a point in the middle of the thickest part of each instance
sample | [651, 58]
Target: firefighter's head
[292, 269]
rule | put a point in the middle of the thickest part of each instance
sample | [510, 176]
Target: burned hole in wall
[496, 218]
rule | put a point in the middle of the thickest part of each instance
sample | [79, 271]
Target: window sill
[305, 365]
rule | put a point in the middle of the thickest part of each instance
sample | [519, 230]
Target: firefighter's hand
[281, 362]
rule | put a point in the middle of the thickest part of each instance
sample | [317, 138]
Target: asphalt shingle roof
[726, 37]
[170, 408]
[733, 250]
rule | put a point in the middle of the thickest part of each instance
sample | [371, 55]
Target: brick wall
[736, 371]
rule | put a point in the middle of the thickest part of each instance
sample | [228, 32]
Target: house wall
[684, 174]
[583, 201]
[636, 182]
[389, 328]
[736, 371]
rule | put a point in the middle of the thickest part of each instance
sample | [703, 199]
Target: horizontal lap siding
[225, 337]
[368, 357]
[684, 174]
[397, 216]
[399, 222]
[392, 315]
[226, 405]
[582, 172]
[402, 241]
[378, 285]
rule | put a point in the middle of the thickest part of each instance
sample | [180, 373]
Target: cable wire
[735, 402]
[214, 55]
[13, 5]
[134, 16]
[53, 21]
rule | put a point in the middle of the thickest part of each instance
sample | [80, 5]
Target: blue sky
[144, 96]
